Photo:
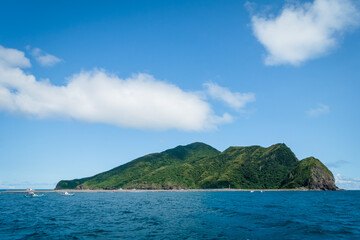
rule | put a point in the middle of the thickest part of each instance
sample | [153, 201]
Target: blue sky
[87, 86]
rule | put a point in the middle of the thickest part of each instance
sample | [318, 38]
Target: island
[200, 166]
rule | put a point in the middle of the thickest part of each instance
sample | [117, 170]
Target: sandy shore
[160, 190]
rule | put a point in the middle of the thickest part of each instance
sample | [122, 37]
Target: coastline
[160, 190]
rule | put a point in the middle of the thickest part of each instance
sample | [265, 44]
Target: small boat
[252, 191]
[33, 195]
[67, 194]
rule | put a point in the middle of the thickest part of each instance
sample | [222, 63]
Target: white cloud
[235, 100]
[13, 58]
[140, 101]
[44, 59]
[321, 109]
[347, 183]
[304, 31]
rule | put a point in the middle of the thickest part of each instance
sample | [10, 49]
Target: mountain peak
[192, 148]
[198, 165]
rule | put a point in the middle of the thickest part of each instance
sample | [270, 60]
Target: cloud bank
[44, 59]
[140, 101]
[304, 31]
[26, 184]
[347, 183]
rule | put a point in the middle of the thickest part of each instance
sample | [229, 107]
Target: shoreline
[158, 190]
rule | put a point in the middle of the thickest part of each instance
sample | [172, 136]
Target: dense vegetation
[198, 165]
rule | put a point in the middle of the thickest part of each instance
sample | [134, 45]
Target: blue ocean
[182, 215]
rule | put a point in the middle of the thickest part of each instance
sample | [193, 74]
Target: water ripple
[182, 215]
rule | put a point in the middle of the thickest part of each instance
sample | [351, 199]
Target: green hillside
[311, 173]
[198, 165]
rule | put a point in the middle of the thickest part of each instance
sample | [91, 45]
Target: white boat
[33, 195]
[67, 194]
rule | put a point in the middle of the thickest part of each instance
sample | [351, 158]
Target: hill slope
[310, 173]
[198, 165]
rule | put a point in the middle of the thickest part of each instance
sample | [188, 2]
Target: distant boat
[33, 195]
[252, 191]
[67, 194]
[262, 191]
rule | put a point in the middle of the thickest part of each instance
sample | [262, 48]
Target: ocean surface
[182, 215]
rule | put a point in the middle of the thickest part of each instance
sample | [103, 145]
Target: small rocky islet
[200, 166]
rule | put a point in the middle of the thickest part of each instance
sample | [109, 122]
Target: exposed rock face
[321, 180]
[311, 174]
